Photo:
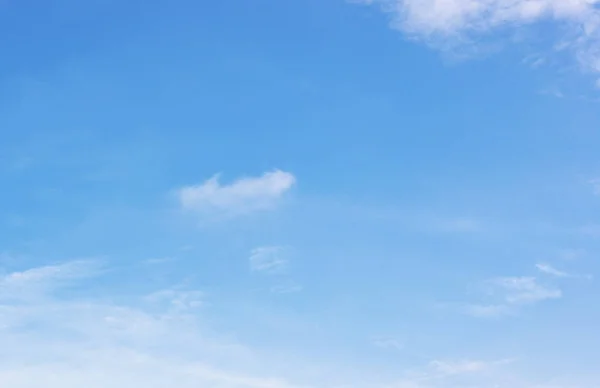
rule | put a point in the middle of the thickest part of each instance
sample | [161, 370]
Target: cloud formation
[510, 293]
[388, 343]
[547, 269]
[455, 22]
[38, 282]
[458, 373]
[524, 290]
[273, 261]
[268, 259]
[243, 196]
[550, 270]
[77, 342]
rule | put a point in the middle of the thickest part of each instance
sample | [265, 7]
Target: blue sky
[268, 194]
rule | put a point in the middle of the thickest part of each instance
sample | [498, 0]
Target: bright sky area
[299, 194]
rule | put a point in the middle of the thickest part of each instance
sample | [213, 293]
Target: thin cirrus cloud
[153, 343]
[242, 196]
[41, 280]
[268, 259]
[550, 270]
[463, 366]
[511, 293]
[388, 343]
[274, 261]
[547, 269]
[454, 22]
[458, 373]
[524, 290]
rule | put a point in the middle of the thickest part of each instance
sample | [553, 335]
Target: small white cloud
[178, 300]
[524, 290]
[510, 293]
[268, 259]
[465, 367]
[388, 343]
[549, 270]
[242, 196]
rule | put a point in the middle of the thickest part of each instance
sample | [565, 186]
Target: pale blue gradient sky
[244, 194]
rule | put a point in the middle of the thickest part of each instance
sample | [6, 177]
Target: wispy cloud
[387, 343]
[273, 260]
[508, 294]
[268, 259]
[178, 300]
[463, 366]
[451, 23]
[243, 196]
[42, 280]
[523, 290]
[549, 270]
[454, 373]
[92, 343]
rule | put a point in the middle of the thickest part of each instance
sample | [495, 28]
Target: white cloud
[549, 270]
[159, 342]
[273, 260]
[524, 290]
[452, 22]
[91, 343]
[457, 373]
[459, 367]
[240, 197]
[268, 259]
[388, 343]
[178, 300]
[508, 294]
[39, 281]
